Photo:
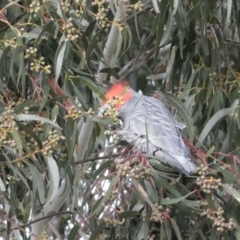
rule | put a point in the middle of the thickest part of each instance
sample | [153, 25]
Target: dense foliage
[57, 58]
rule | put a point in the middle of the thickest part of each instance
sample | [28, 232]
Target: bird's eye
[114, 97]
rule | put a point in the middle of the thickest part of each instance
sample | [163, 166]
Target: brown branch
[121, 153]
[97, 158]
[45, 217]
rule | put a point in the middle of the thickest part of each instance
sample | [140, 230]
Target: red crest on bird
[120, 89]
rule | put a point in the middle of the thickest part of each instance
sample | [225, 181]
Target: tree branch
[138, 62]
[97, 158]
[43, 218]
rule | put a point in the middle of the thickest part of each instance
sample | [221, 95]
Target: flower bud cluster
[101, 16]
[206, 184]
[90, 112]
[66, 6]
[138, 6]
[78, 13]
[26, 110]
[213, 75]
[11, 42]
[74, 113]
[126, 170]
[7, 123]
[44, 236]
[219, 221]
[70, 31]
[51, 143]
[112, 196]
[21, 31]
[163, 213]
[39, 127]
[31, 52]
[152, 237]
[31, 143]
[113, 222]
[109, 109]
[39, 65]
[35, 7]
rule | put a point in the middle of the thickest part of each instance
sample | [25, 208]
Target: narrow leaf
[232, 191]
[183, 112]
[17, 140]
[214, 119]
[38, 182]
[29, 117]
[176, 229]
[54, 179]
[58, 61]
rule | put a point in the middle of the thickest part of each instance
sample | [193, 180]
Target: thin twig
[45, 217]
[144, 10]
[136, 63]
[121, 153]
[97, 158]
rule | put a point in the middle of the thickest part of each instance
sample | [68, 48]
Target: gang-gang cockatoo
[150, 127]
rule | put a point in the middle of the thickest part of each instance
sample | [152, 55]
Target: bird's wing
[153, 120]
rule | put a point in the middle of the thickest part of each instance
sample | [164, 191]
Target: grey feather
[148, 118]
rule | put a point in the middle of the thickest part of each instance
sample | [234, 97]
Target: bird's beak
[103, 109]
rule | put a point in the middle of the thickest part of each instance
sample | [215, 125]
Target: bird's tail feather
[183, 164]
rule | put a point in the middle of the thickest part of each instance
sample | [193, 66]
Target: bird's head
[118, 95]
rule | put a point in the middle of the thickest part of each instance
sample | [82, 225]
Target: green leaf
[105, 198]
[18, 61]
[210, 201]
[2, 186]
[104, 166]
[176, 229]
[214, 119]
[92, 45]
[16, 171]
[171, 64]
[58, 60]
[167, 33]
[232, 191]
[129, 214]
[47, 28]
[54, 176]
[175, 102]
[115, 57]
[29, 117]
[46, 88]
[173, 201]
[210, 151]
[70, 134]
[88, 82]
[17, 140]
[90, 28]
[74, 232]
[97, 231]
[229, 10]
[155, 5]
[144, 195]
[175, 7]
[4, 56]
[38, 182]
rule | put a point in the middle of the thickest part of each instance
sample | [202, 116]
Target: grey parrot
[150, 127]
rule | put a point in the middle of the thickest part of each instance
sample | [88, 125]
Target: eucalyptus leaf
[29, 117]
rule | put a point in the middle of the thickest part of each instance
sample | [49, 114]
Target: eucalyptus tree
[62, 175]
